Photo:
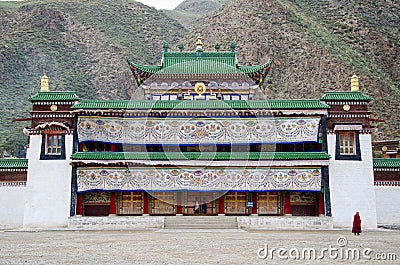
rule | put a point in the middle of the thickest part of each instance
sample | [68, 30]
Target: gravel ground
[191, 247]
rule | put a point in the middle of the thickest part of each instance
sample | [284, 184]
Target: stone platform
[200, 222]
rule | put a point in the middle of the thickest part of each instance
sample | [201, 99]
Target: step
[200, 222]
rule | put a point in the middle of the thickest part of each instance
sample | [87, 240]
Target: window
[347, 143]
[348, 146]
[53, 144]
[52, 147]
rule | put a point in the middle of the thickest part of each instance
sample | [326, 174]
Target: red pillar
[254, 199]
[321, 204]
[79, 204]
[113, 203]
[221, 203]
[287, 209]
[113, 147]
[145, 203]
[179, 203]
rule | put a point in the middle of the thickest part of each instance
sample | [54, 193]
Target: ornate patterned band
[207, 179]
[153, 130]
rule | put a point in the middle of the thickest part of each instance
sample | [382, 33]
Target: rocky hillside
[317, 46]
[81, 45]
[190, 10]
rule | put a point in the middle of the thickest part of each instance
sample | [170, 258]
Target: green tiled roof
[54, 96]
[345, 96]
[172, 58]
[200, 156]
[13, 163]
[200, 104]
[386, 162]
[201, 66]
[199, 63]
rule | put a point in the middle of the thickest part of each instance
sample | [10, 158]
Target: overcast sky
[162, 4]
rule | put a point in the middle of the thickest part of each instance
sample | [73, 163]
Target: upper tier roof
[54, 96]
[200, 62]
[345, 96]
[200, 104]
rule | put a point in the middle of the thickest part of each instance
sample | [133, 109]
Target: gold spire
[44, 84]
[354, 84]
[199, 43]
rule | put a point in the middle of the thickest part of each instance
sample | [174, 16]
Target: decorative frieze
[205, 179]
[12, 184]
[387, 183]
[154, 130]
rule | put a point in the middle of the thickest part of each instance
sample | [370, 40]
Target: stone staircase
[200, 222]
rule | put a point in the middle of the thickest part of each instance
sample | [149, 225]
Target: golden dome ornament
[200, 88]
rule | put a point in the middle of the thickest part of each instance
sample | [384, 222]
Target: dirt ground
[199, 247]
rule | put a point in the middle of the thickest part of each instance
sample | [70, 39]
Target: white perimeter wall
[12, 206]
[48, 191]
[352, 186]
[387, 204]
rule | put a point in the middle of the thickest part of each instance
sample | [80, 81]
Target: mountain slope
[190, 10]
[311, 56]
[80, 45]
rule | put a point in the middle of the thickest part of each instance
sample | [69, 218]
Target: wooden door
[269, 203]
[163, 203]
[236, 203]
[130, 203]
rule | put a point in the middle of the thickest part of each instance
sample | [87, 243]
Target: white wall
[12, 206]
[48, 190]
[352, 186]
[387, 207]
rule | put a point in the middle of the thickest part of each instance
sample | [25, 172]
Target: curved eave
[256, 68]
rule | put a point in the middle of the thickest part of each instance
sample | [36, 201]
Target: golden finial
[199, 43]
[44, 84]
[354, 84]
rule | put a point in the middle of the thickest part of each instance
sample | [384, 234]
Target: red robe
[356, 224]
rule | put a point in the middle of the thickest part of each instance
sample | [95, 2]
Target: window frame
[356, 155]
[45, 154]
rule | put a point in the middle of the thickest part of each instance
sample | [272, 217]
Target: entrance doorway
[269, 203]
[130, 203]
[200, 203]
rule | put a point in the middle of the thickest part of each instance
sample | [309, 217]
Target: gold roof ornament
[44, 80]
[199, 44]
[354, 84]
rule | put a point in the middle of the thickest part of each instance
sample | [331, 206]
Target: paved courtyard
[197, 247]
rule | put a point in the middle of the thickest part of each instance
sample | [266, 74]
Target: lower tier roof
[200, 156]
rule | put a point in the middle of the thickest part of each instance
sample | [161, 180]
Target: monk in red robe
[356, 224]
